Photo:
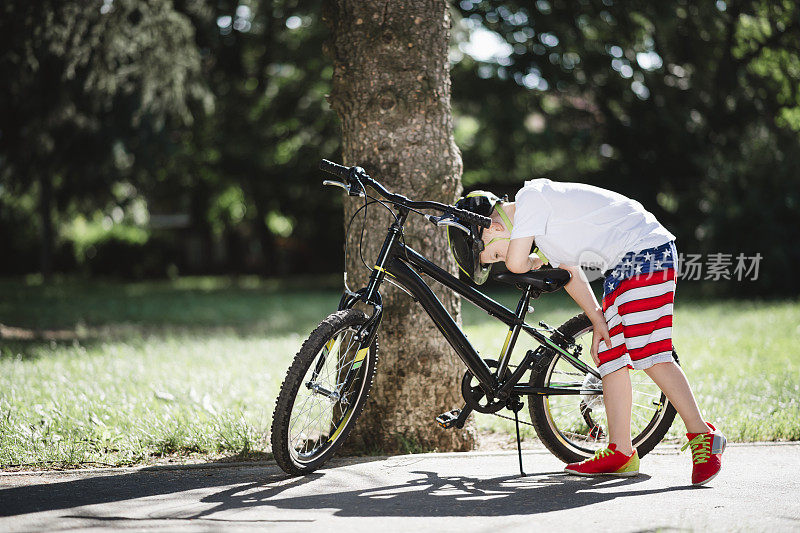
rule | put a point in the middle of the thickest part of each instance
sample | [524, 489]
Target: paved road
[758, 490]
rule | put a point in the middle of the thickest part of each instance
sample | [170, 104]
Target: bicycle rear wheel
[323, 393]
[573, 427]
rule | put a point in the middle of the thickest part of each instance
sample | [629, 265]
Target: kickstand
[519, 445]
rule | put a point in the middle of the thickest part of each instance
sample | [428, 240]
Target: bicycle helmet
[467, 247]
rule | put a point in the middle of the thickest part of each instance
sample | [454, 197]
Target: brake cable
[368, 200]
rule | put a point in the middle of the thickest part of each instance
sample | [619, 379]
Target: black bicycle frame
[403, 264]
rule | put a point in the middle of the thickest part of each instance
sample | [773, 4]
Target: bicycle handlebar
[356, 176]
[332, 168]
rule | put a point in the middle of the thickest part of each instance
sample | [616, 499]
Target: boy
[573, 224]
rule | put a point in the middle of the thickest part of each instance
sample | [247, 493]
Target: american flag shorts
[637, 303]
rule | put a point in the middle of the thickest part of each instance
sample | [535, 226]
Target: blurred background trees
[155, 138]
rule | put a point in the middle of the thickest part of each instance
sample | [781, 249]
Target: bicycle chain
[509, 418]
[512, 419]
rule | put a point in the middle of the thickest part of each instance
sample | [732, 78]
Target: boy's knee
[624, 371]
[659, 366]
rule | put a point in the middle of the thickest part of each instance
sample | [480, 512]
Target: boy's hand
[578, 287]
[599, 333]
[535, 262]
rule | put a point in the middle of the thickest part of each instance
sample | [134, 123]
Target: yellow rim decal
[341, 426]
[334, 348]
[361, 354]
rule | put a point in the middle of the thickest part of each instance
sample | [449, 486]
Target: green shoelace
[601, 453]
[701, 448]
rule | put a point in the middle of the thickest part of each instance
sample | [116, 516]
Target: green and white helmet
[467, 248]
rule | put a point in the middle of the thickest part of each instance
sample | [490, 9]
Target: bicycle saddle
[545, 280]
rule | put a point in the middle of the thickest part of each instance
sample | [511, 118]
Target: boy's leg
[618, 398]
[706, 442]
[619, 458]
[670, 378]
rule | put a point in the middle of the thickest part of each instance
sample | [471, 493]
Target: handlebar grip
[483, 221]
[332, 168]
[480, 220]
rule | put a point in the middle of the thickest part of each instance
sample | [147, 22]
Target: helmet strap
[498, 239]
[504, 216]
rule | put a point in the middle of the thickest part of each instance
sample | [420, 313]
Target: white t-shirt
[578, 224]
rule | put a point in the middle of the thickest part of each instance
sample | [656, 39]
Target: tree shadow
[434, 495]
[32, 349]
[104, 488]
[428, 494]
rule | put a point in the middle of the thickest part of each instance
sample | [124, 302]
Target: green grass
[123, 373]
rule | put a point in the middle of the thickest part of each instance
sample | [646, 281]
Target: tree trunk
[391, 89]
[46, 221]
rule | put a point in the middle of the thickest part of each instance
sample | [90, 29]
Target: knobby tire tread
[291, 384]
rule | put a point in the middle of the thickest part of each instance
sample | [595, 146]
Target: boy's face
[494, 252]
[495, 242]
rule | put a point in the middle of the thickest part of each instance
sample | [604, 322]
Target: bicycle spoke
[581, 420]
[322, 401]
[646, 408]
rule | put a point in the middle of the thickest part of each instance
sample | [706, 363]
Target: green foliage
[88, 90]
[85, 234]
[214, 114]
[690, 108]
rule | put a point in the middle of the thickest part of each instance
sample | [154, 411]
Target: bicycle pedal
[448, 419]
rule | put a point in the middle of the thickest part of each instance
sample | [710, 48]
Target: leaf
[164, 395]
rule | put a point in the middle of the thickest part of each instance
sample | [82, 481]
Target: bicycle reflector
[467, 248]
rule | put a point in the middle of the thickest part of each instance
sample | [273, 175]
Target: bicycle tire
[554, 430]
[311, 367]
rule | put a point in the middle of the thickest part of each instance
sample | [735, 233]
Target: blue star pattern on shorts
[649, 260]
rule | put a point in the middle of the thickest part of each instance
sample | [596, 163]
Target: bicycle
[329, 379]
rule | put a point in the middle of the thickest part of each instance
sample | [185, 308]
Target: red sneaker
[607, 462]
[707, 451]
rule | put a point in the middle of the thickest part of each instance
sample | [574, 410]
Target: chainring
[473, 393]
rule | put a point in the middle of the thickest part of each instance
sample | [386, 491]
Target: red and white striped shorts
[638, 312]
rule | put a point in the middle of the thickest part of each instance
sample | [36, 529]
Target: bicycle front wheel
[573, 427]
[323, 393]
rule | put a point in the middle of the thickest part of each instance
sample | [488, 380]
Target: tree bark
[46, 220]
[391, 89]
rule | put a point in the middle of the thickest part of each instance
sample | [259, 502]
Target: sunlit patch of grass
[120, 401]
[126, 373]
[135, 371]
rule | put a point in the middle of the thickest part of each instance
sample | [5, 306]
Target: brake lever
[343, 186]
[447, 221]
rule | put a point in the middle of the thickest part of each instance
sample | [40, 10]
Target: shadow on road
[428, 493]
[433, 495]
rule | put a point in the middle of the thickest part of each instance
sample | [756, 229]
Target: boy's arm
[580, 290]
[518, 258]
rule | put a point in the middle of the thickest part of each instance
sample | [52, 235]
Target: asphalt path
[757, 490]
